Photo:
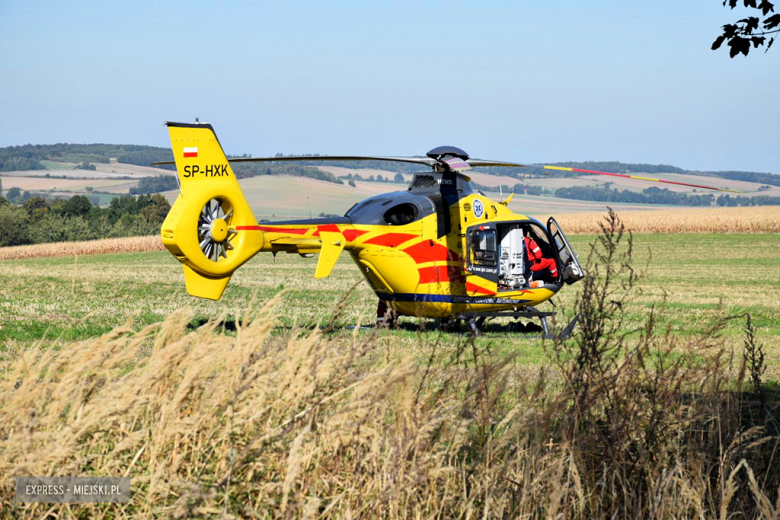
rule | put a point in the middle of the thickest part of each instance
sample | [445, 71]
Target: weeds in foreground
[328, 425]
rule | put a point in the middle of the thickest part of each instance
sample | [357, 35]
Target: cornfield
[754, 219]
[316, 423]
[91, 247]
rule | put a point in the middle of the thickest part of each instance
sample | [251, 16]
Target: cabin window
[482, 245]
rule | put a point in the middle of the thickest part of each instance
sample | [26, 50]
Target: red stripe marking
[441, 273]
[470, 287]
[190, 154]
[432, 275]
[424, 252]
[390, 239]
[329, 228]
[351, 234]
[270, 229]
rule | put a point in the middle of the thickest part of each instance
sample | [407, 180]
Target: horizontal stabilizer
[303, 243]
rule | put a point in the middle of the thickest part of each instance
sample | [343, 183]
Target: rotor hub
[440, 152]
[219, 230]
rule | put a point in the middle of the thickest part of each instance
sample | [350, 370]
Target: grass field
[58, 300]
[224, 408]
[55, 165]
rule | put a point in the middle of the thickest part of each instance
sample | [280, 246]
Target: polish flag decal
[191, 152]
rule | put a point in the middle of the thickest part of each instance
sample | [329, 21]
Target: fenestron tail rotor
[215, 230]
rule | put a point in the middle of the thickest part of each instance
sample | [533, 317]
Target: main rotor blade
[454, 164]
[637, 177]
[475, 163]
[293, 158]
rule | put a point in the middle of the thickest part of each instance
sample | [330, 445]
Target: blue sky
[528, 81]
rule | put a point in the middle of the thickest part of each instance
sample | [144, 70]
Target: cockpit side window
[401, 214]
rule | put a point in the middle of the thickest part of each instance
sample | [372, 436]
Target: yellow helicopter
[437, 250]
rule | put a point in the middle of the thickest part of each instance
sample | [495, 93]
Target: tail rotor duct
[216, 230]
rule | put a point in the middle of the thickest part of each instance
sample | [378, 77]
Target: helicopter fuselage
[413, 248]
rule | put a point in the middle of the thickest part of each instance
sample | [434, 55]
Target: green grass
[702, 277]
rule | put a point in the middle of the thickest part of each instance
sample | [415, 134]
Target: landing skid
[475, 320]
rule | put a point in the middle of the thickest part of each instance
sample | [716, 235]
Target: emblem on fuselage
[479, 209]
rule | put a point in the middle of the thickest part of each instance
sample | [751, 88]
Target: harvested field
[340, 171]
[130, 169]
[749, 188]
[70, 184]
[543, 206]
[91, 247]
[104, 171]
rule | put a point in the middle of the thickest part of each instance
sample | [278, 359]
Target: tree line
[654, 195]
[761, 200]
[155, 184]
[398, 178]
[40, 220]
[253, 169]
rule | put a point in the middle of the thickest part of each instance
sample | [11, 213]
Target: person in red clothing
[538, 263]
[385, 316]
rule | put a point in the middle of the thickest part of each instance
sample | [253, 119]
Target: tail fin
[210, 228]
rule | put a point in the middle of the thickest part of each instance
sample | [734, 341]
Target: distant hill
[761, 178]
[29, 157]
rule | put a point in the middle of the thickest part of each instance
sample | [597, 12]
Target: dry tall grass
[758, 219]
[91, 247]
[320, 424]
